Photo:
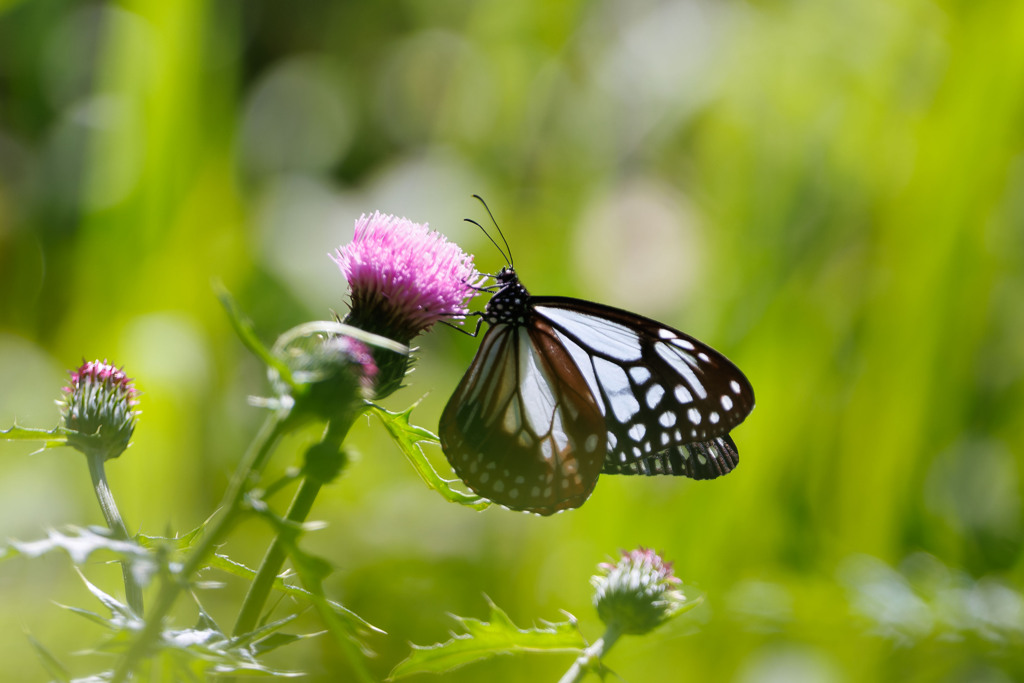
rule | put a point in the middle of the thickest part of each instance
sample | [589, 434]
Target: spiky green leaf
[485, 639]
[408, 437]
[51, 438]
[79, 543]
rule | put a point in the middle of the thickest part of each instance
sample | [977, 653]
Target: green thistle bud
[98, 409]
[331, 374]
[638, 593]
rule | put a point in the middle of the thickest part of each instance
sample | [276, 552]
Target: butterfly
[562, 390]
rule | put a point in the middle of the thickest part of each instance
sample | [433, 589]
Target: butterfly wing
[700, 460]
[523, 428]
[668, 400]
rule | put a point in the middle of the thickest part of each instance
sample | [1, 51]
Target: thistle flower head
[98, 409]
[637, 593]
[404, 277]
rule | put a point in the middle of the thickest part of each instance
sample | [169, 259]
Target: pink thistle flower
[404, 277]
[99, 409]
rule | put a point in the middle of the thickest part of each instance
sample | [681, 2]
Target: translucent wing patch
[668, 400]
[523, 428]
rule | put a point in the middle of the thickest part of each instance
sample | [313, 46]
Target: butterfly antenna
[508, 248]
[488, 235]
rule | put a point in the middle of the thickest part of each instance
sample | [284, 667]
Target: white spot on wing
[680, 362]
[654, 395]
[640, 374]
[637, 431]
[616, 386]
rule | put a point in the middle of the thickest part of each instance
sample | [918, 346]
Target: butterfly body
[564, 389]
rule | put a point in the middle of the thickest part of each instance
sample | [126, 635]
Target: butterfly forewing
[523, 428]
[659, 389]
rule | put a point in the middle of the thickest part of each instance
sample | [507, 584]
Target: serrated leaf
[181, 543]
[116, 607]
[79, 543]
[58, 436]
[189, 654]
[409, 437]
[182, 654]
[486, 639]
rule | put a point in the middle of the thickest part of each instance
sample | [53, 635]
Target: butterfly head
[510, 304]
[506, 276]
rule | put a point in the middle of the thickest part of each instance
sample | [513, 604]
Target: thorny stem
[590, 659]
[132, 589]
[233, 505]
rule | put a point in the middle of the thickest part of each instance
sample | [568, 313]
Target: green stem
[132, 589]
[259, 591]
[261, 586]
[248, 470]
[591, 658]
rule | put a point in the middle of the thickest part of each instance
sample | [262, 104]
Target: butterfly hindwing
[701, 460]
[523, 428]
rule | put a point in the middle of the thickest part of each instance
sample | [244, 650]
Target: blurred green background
[831, 193]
